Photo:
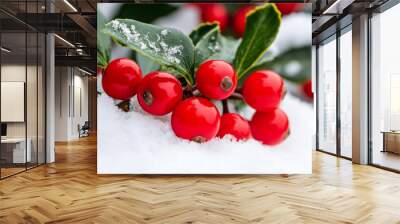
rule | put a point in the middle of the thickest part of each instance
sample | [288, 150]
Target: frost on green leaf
[168, 47]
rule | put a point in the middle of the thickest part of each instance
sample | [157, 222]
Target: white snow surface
[138, 143]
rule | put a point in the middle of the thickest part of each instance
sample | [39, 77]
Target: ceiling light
[329, 9]
[5, 50]
[70, 5]
[65, 41]
[84, 71]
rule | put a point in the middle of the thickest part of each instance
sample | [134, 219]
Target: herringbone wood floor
[69, 191]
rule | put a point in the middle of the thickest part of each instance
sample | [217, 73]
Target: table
[17, 150]
[391, 141]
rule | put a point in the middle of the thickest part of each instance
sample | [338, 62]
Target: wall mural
[204, 88]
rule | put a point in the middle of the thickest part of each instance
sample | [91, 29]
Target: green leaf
[262, 26]
[166, 46]
[103, 42]
[146, 65]
[293, 65]
[211, 44]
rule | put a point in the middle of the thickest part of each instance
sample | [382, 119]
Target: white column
[360, 90]
[50, 98]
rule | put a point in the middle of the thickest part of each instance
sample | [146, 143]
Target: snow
[138, 143]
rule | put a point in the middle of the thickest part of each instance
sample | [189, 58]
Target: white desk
[19, 155]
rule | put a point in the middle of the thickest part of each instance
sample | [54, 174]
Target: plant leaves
[262, 26]
[166, 46]
[293, 65]
[103, 42]
[211, 44]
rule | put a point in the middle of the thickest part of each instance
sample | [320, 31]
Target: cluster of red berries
[217, 12]
[195, 117]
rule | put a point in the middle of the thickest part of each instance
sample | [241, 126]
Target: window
[346, 95]
[385, 89]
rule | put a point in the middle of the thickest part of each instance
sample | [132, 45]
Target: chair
[84, 130]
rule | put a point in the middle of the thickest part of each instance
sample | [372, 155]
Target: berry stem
[225, 108]
[124, 105]
[236, 96]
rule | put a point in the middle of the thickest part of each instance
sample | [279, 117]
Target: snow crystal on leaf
[142, 45]
[164, 32]
[163, 45]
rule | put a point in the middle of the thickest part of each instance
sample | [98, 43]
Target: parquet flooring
[70, 191]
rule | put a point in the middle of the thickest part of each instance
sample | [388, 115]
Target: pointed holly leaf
[167, 47]
[262, 26]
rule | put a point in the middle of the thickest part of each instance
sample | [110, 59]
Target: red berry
[271, 127]
[263, 90]
[216, 79]
[239, 20]
[235, 125]
[195, 119]
[307, 89]
[159, 93]
[214, 12]
[121, 78]
[287, 8]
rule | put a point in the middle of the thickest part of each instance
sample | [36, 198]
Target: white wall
[71, 94]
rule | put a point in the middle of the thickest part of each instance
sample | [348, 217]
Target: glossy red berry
[235, 125]
[307, 89]
[195, 119]
[239, 20]
[214, 12]
[271, 127]
[288, 8]
[121, 78]
[159, 93]
[216, 79]
[263, 90]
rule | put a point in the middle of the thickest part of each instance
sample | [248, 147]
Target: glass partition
[327, 96]
[22, 77]
[13, 109]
